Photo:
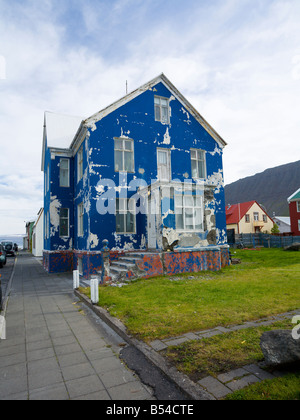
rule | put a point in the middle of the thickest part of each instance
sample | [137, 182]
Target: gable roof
[91, 121]
[235, 212]
[295, 196]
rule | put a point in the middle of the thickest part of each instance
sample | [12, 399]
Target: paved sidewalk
[52, 350]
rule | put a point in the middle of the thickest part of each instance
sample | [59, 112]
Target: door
[151, 223]
[163, 165]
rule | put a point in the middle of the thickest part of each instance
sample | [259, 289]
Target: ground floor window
[64, 223]
[80, 266]
[125, 217]
[80, 211]
[189, 211]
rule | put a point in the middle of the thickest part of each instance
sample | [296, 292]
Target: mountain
[270, 188]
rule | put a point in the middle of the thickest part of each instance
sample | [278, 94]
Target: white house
[38, 235]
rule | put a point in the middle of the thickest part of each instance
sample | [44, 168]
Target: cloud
[236, 62]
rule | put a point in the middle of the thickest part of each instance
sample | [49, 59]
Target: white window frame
[64, 218]
[298, 206]
[67, 170]
[80, 213]
[256, 216]
[195, 156]
[124, 149]
[189, 203]
[168, 164]
[80, 164]
[122, 212]
[159, 106]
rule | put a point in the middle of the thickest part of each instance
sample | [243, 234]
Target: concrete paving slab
[54, 351]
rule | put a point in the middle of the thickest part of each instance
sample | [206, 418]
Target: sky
[236, 61]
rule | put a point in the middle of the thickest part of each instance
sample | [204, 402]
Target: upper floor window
[124, 155]
[247, 218]
[64, 173]
[198, 163]
[298, 206]
[265, 219]
[161, 107]
[256, 216]
[80, 164]
[64, 223]
[164, 164]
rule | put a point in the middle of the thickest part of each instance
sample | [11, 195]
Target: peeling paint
[167, 138]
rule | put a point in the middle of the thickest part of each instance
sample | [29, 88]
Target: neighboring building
[38, 235]
[145, 174]
[28, 240]
[294, 206]
[283, 223]
[248, 217]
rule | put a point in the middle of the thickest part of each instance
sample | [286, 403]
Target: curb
[189, 388]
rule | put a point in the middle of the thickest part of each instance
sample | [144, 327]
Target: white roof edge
[291, 197]
[90, 122]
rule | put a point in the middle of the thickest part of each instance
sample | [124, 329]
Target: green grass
[266, 283]
[222, 353]
[285, 388]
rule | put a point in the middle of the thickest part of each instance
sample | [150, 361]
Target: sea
[16, 239]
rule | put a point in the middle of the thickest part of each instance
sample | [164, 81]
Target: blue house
[145, 176]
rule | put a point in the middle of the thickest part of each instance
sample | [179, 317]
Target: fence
[263, 239]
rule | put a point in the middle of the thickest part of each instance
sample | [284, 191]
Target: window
[48, 178]
[161, 107]
[64, 171]
[80, 164]
[256, 216]
[188, 211]
[299, 225]
[163, 165]
[198, 164]
[47, 225]
[298, 206]
[247, 218]
[124, 155]
[265, 219]
[125, 217]
[64, 223]
[80, 210]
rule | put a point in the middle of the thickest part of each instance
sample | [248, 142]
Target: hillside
[270, 188]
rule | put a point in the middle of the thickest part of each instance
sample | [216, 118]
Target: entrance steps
[125, 269]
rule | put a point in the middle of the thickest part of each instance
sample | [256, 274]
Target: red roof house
[248, 217]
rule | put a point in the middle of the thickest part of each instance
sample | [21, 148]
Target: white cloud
[236, 62]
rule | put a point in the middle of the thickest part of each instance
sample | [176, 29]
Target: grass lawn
[266, 283]
[220, 354]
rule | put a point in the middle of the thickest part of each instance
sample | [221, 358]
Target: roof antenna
[126, 87]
